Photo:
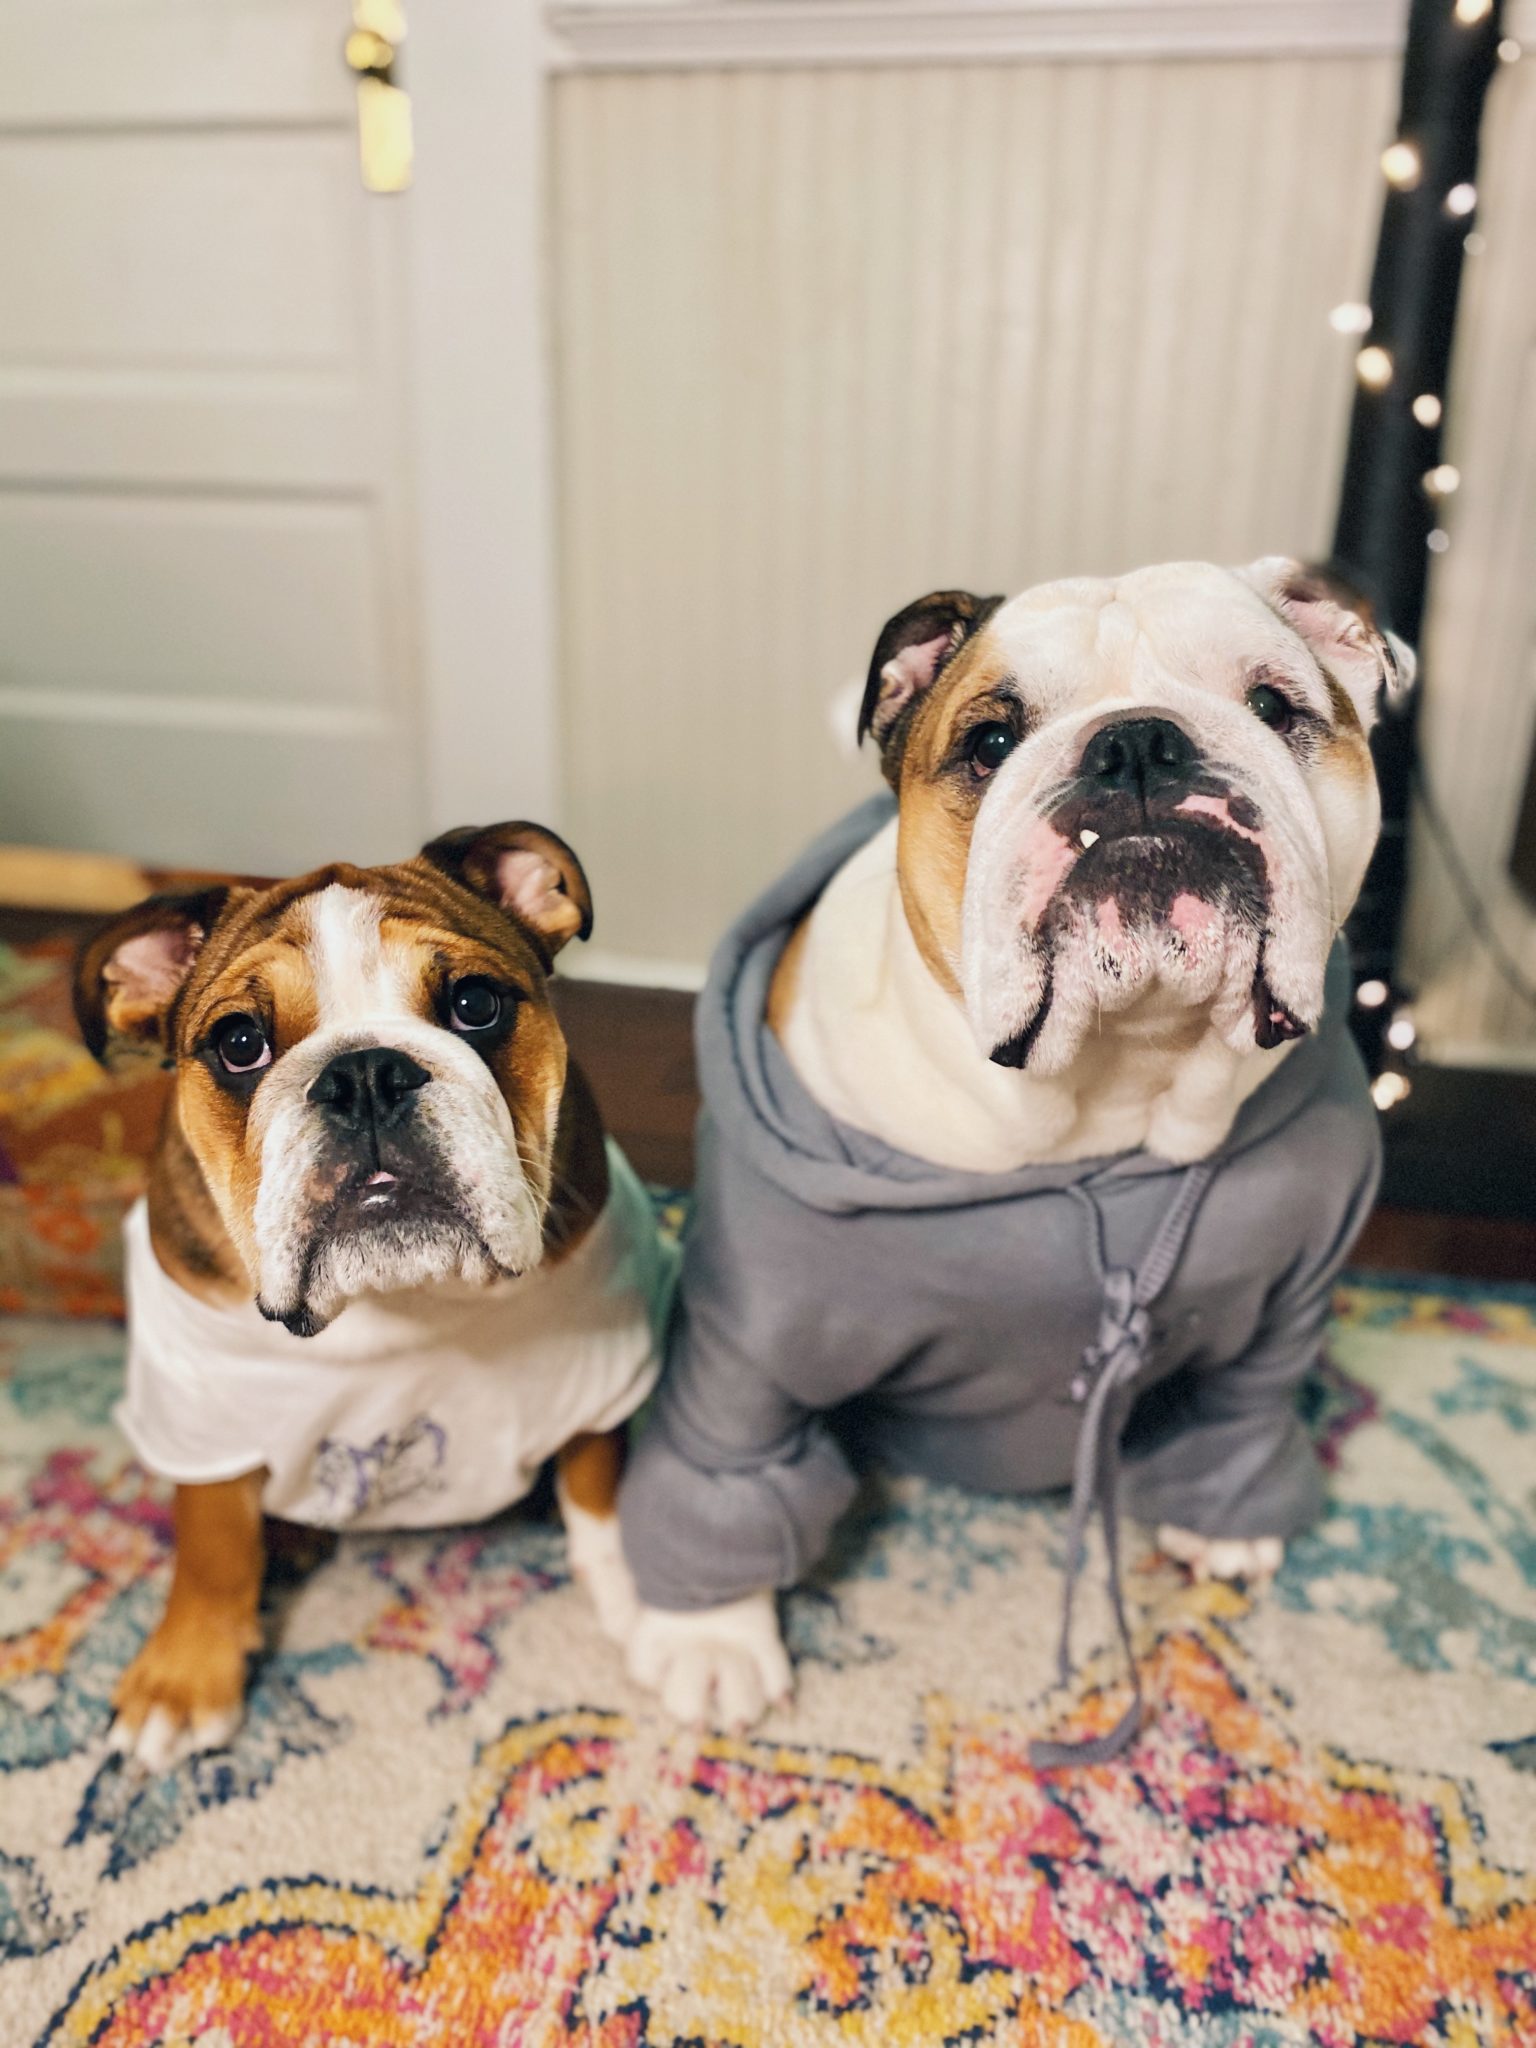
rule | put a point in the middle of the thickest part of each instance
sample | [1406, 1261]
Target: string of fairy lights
[1388, 1029]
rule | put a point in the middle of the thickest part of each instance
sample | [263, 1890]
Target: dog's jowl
[1033, 1129]
[388, 1264]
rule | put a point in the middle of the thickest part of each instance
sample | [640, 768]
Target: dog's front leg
[587, 1475]
[723, 1664]
[184, 1691]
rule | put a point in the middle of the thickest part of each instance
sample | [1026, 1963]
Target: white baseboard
[1479, 1052]
[702, 34]
[631, 970]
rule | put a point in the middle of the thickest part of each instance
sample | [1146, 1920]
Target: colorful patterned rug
[448, 1819]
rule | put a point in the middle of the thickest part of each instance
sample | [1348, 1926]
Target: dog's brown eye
[242, 1045]
[1269, 705]
[474, 1005]
[989, 746]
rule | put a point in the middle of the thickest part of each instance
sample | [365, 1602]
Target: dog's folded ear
[525, 870]
[910, 654]
[1338, 622]
[130, 975]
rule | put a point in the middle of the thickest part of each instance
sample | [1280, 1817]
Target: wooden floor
[636, 1046]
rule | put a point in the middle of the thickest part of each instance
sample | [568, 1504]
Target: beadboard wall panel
[826, 339]
[1479, 713]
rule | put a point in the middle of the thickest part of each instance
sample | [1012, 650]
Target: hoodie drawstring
[1110, 1365]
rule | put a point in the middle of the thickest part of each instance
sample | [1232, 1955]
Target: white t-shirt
[410, 1410]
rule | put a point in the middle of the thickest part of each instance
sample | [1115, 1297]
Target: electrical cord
[1508, 968]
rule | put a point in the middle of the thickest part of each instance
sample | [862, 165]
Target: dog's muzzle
[1155, 839]
[377, 1161]
[386, 1166]
[1145, 866]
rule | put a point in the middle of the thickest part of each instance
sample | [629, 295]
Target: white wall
[1479, 714]
[828, 338]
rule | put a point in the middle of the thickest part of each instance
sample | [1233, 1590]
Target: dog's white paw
[722, 1667]
[1222, 1557]
[597, 1560]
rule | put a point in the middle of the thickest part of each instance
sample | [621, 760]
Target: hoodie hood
[762, 1108]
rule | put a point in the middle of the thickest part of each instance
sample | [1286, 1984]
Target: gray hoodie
[842, 1303]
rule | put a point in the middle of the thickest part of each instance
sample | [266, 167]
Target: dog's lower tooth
[1086, 838]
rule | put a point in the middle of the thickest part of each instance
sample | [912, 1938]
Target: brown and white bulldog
[1133, 814]
[389, 1264]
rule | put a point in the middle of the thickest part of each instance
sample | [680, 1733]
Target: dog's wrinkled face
[368, 1069]
[1152, 795]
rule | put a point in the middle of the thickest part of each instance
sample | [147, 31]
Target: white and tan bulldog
[1132, 817]
[387, 1265]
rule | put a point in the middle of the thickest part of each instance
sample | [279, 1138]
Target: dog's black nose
[367, 1089]
[1141, 754]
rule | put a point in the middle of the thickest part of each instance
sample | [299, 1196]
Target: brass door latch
[372, 51]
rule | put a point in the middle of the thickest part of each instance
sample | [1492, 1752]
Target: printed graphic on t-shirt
[354, 1478]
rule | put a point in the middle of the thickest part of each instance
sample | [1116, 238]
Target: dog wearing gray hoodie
[1033, 1135]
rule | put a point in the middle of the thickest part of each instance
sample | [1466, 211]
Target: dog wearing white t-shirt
[388, 1265]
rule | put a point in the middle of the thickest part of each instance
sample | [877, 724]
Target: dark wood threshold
[1460, 1247]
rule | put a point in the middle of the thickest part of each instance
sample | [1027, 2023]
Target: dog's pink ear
[129, 977]
[1339, 624]
[525, 870]
[909, 655]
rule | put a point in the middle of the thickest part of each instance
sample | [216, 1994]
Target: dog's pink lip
[1219, 810]
[379, 1179]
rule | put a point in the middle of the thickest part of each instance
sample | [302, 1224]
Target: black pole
[1386, 511]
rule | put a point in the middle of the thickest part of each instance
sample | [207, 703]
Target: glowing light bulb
[1470, 12]
[1401, 165]
[1427, 409]
[1388, 1090]
[1350, 318]
[1370, 995]
[1373, 366]
[1401, 1032]
[1437, 541]
[1440, 481]
[1460, 200]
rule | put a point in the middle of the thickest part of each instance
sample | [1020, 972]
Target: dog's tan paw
[183, 1693]
[1222, 1557]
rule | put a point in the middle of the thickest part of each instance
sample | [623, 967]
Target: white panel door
[207, 634]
